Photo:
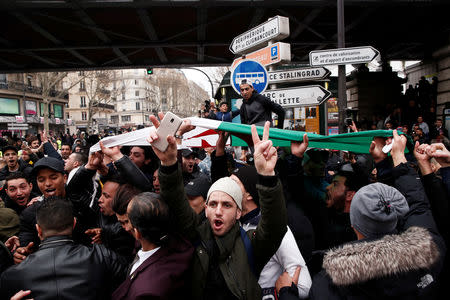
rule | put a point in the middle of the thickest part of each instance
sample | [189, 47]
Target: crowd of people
[224, 222]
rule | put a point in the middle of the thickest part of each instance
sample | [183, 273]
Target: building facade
[22, 104]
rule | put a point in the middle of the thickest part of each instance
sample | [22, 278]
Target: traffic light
[149, 71]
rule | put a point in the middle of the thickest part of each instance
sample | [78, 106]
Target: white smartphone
[169, 126]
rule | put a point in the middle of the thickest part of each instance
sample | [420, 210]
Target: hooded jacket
[396, 266]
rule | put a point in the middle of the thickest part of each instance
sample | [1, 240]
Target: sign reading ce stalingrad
[293, 75]
[275, 29]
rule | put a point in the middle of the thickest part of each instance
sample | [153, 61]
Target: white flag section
[204, 135]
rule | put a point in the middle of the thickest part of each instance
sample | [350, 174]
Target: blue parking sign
[274, 52]
[252, 71]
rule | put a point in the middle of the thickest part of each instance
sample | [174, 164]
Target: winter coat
[23, 167]
[61, 269]
[231, 253]
[161, 276]
[258, 109]
[396, 266]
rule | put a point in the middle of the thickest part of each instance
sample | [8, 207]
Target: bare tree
[98, 92]
[52, 87]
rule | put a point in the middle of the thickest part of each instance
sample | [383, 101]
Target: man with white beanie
[227, 260]
[399, 253]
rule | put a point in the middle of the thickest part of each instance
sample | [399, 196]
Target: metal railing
[22, 87]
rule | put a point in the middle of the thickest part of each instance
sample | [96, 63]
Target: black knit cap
[249, 178]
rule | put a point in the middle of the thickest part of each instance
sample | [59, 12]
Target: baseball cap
[50, 163]
[198, 187]
[188, 151]
[9, 147]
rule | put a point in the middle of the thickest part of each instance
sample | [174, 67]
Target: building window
[81, 73]
[82, 85]
[67, 116]
[82, 101]
[29, 78]
[147, 119]
[135, 82]
[138, 106]
[123, 96]
[136, 93]
[126, 118]
[83, 115]
[114, 119]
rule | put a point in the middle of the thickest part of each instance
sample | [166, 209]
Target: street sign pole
[342, 79]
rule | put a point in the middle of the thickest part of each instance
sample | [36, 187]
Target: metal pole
[342, 88]
[212, 87]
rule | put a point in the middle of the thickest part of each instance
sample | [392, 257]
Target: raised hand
[94, 161]
[423, 159]
[113, 152]
[12, 243]
[168, 157]
[299, 148]
[22, 253]
[398, 148]
[265, 155]
[221, 141]
[440, 153]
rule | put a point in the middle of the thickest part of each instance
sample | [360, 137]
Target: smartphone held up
[168, 126]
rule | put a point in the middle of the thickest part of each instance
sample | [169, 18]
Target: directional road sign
[270, 55]
[275, 29]
[18, 126]
[252, 71]
[298, 96]
[342, 56]
[293, 75]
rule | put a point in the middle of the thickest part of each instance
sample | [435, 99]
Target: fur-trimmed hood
[393, 254]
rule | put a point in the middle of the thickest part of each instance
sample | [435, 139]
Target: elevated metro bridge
[40, 35]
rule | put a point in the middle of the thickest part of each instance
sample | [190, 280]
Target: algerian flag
[205, 135]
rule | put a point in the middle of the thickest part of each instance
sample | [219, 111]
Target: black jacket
[397, 266]
[62, 269]
[23, 167]
[258, 109]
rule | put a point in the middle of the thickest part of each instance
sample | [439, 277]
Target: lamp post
[212, 87]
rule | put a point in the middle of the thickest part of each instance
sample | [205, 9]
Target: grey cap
[228, 186]
[376, 209]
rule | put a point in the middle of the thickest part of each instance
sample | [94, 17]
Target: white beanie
[228, 186]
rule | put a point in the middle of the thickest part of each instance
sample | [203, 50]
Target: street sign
[342, 56]
[270, 55]
[18, 126]
[275, 29]
[298, 96]
[293, 75]
[252, 71]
